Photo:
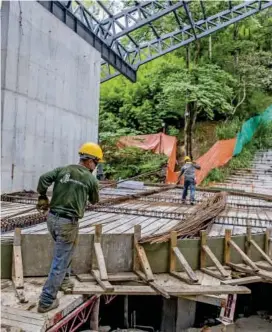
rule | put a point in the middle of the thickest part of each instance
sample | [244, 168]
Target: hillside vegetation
[228, 81]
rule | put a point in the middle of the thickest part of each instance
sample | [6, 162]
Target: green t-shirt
[74, 185]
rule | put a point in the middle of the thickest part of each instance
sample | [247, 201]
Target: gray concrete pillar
[169, 309]
[186, 310]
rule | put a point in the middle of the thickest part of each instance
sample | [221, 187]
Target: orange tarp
[219, 154]
[158, 143]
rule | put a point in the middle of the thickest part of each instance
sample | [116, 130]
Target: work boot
[67, 285]
[42, 309]
[192, 202]
[183, 201]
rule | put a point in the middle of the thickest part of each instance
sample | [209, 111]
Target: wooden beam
[106, 285]
[216, 262]
[203, 242]
[246, 259]
[173, 291]
[261, 252]
[100, 261]
[243, 281]
[227, 246]
[248, 242]
[17, 266]
[267, 243]
[214, 273]
[144, 262]
[137, 236]
[185, 265]
[173, 243]
[218, 301]
[264, 274]
[121, 276]
[154, 285]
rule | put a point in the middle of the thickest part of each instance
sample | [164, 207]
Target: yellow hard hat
[91, 150]
[187, 158]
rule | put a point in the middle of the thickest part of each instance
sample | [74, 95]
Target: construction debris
[202, 217]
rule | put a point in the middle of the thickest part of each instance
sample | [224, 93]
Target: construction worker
[189, 179]
[74, 185]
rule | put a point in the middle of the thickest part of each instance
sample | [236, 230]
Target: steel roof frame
[121, 52]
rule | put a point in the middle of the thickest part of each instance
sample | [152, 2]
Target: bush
[229, 129]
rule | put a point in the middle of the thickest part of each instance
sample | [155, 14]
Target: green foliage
[261, 140]
[228, 129]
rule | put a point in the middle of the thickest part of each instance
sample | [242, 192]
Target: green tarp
[249, 129]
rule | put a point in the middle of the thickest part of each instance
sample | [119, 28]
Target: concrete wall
[50, 94]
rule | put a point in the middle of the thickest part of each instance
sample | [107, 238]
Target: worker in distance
[188, 170]
[74, 186]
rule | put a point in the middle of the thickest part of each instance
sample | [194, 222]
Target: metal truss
[87, 27]
[193, 21]
[130, 37]
[76, 318]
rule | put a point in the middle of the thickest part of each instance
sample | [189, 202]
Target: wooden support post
[173, 243]
[262, 253]
[246, 259]
[154, 285]
[267, 245]
[99, 269]
[216, 262]
[248, 242]
[227, 246]
[203, 242]
[137, 236]
[185, 265]
[17, 266]
[140, 258]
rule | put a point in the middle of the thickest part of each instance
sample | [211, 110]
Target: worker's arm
[94, 193]
[196, 166]
[180, 175]
[46, 180]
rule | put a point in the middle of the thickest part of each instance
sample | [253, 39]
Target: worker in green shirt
[74, 186]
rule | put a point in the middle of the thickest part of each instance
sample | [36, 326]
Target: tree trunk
[210, 47]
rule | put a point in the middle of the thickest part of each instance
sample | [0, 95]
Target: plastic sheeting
[158, 143]
[218, 155]
[249, 128]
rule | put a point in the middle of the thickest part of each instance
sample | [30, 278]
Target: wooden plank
[227, 246]
[97, 239]
[106, 285]
[144, 262]
[247, 260]
[136, 238]
[22, 326]
[154, 285]
[216, 262]
[173, 291]
[263, 265]
[203, 242]
[243, 281]
[100, 261]
[18, 277]
[262, 253]
[218, 301]
[187, 268]
[214, 273]
[267, 242]
[248, 242]
[173, 243]
[121, 276]
[264, 274]
[39, 323]
[182, 277]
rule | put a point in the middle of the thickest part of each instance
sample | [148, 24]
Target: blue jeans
[64, 232]
[189, 184]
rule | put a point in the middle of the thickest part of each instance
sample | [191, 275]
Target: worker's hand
[43, 203]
